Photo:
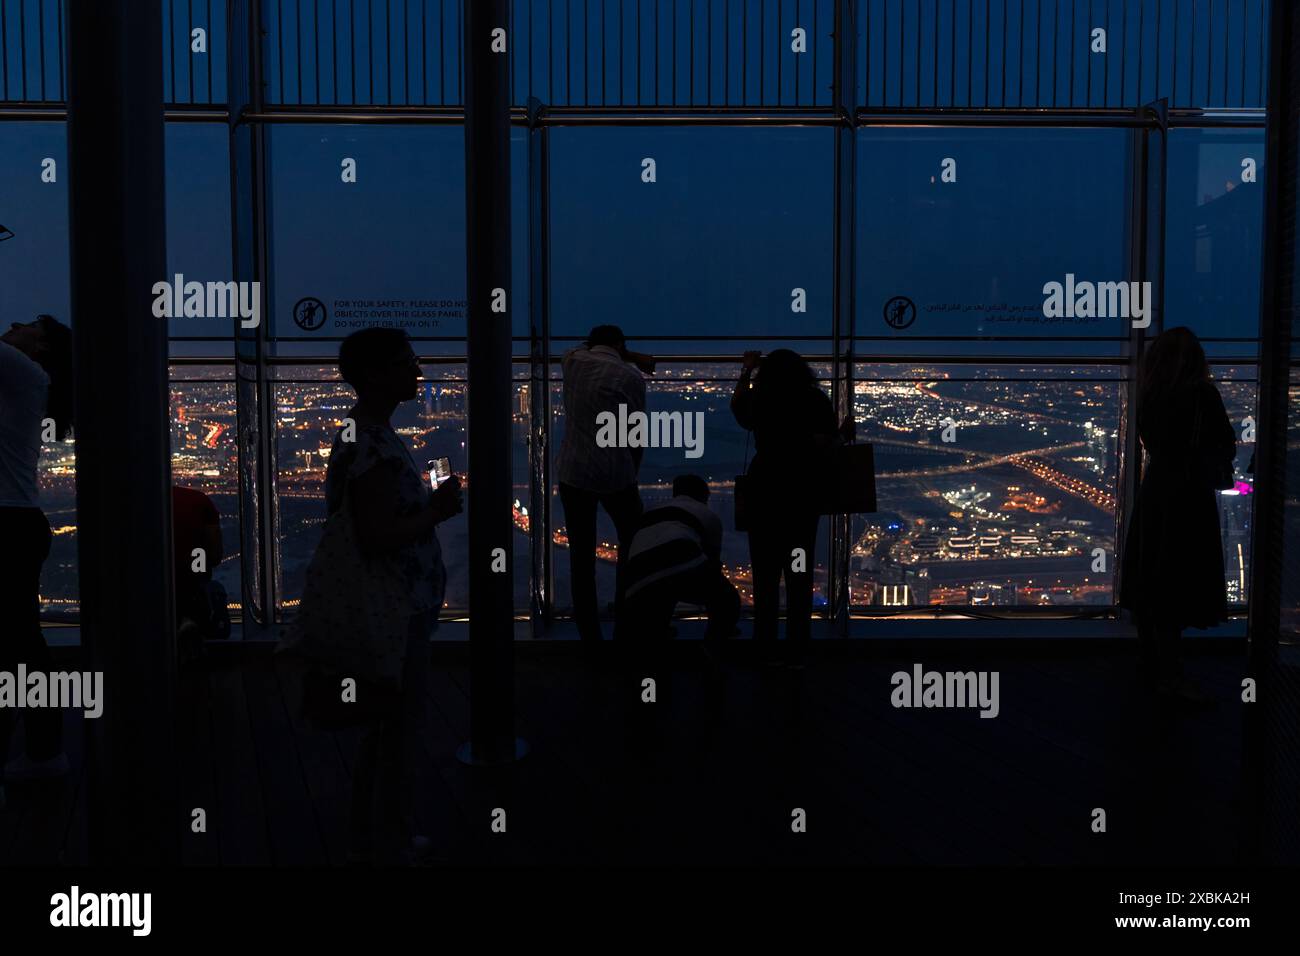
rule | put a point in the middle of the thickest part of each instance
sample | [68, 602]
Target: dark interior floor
[713, 770]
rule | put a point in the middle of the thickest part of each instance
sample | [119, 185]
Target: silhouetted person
[394, 546]
[598, 377]
[1173, 574]
[35, 384]
[794, 427]
[676, 556]
[196, 525]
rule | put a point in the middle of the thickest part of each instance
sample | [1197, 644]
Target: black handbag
[845, 483]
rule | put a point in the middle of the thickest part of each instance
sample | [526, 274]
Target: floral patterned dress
[419, 563]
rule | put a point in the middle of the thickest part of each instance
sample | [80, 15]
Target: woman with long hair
[792, 420]
[1173, 572]
[35, 402]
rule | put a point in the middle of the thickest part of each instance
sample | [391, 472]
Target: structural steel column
[1145, 195]
[488, 262]
[117, 234]
[845, 208]
[254, 401]
[542, 604]
[1273, 722]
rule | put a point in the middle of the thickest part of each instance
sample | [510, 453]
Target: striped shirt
[672, 538]
[597, 380]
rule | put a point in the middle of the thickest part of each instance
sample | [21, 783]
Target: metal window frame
[248, 117]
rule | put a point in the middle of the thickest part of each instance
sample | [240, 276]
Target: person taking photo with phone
[792, 420]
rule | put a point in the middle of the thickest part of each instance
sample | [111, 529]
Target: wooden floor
[713, 770]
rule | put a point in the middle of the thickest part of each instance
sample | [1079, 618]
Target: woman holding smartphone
[394, 515]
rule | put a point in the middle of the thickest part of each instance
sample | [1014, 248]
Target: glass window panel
[194, 64]
[57, 473]
[735, 221]
[1239, 388]
[379, 52]
[1007, 513]
[1214, 222]
[988, 53]
[198, 221]
[34, 279]
[34, 275]
[36, 260]
[31, 51]
[970, 258]
[997, 53]
[613, 53]
[205, 456]
[387, 249]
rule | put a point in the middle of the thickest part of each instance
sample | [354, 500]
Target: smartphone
[439, 471]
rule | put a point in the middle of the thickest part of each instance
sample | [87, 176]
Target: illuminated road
[988, 459]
